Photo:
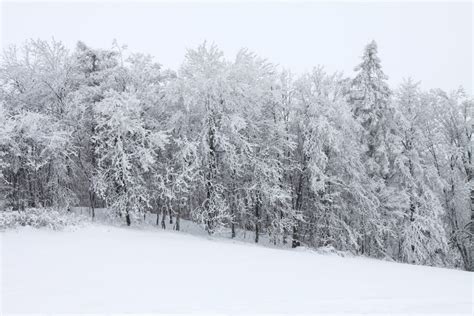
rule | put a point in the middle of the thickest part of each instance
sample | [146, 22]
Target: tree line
[319, 159]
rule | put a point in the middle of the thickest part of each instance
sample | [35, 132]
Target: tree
[370, 99]
[337, 205]
[202, 91]
[36, 83]
[449, 136]
[97, 71]
[126, 152]
[262, 142]
[422, 237]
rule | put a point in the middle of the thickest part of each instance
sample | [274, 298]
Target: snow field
[104, 269]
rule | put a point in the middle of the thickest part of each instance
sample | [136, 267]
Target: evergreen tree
[370, 98]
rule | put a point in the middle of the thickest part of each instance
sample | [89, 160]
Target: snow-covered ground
[107, 269]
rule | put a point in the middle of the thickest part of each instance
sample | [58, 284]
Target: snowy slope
[98, 269]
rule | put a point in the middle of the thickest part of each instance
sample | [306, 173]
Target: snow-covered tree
[449, 139]
[371, 105]
[126, 152]
[370, 97]
[97, 71]
[262, 144]
[421, 235]
[202, 90]
[38, 155]
[338, 207]
[320, 160]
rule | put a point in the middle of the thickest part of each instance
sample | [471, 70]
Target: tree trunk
[257, 219]
[92, 203]
[471, 237]
[163, 219]
[233, 199]
[127, 218]
[232, 212]
[295, 242]
[284, 229]
[176, 226]
[298, 204]
[212, 166]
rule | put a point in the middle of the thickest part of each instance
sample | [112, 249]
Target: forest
[316, 159]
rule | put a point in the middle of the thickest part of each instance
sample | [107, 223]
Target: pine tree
[370, 98]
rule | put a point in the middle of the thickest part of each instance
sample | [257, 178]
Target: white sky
[429, 41]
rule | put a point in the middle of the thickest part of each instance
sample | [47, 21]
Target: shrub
[39, 217]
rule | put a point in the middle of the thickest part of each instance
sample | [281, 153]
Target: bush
[39, 217]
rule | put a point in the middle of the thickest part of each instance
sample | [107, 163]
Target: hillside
[99, 269]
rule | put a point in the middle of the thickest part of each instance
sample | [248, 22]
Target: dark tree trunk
[257, 219]
[92, 203]
[299, 203]
[284, 229]
[469, 172]
[233, 199]
[232, 213]
[471, 237]
[176, 226]
[295, 242]
[127, 218]
[163, 219]
[212, 166]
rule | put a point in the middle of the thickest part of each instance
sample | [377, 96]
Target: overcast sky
[429, 41]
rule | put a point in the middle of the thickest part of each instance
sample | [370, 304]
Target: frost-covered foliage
[39, 218]
[319, 159]
[126, 150]
[37, 150]
[339, 203]
[419, 211]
